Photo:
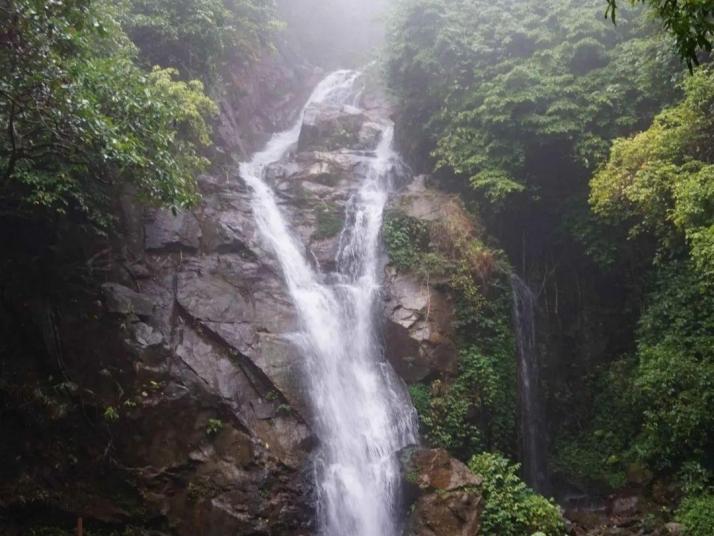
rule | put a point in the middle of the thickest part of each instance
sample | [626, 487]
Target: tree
[691, 22]
[661, 181]
[78, 117]
[501, 91]
[198, 37]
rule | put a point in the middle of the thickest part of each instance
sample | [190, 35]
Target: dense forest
[568, 147]
[585, 150]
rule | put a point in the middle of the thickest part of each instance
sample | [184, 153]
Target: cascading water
[362, 414]
[533, 460]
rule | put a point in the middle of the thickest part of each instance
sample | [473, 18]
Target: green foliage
[511, 508]
[475, 410]
[198, 37]
[598, 455]
[696, 513]
[659, 185]
[518, 103]
[214, 427]
[506, 93]
[78, 117]
[661, 181]
[406, 240]
[589, 461]
[655, 408]
[691, 22]
[694, 479]
[674, 381]
[443, 417]
[111, 414]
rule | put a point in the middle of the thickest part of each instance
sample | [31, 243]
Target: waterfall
[362, 414]
[531, 421]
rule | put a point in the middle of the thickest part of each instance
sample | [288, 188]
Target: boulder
[165, 231]
[625, 506]
[418, 330]
[369, 135]
[122, 300]
[675, 529]
[328, 128]
[445, 496]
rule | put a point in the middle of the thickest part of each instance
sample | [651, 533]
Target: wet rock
[675, 529]
[225, 232]
[263, 97]
[228, 290]
[314, 188]
[418, 330]
[369, 136]
[624, 506]
[330, 128]
[188, 345]
[215, 184]
[435, 469]
[227, 224]
[145, 336]
[165, 231]
[315, 176]
[139, 270]
[421, 201]
[122, 300]
[445, 494]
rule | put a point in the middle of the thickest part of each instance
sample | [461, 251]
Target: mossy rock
[329, 221]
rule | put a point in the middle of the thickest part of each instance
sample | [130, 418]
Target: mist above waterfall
[335, 33]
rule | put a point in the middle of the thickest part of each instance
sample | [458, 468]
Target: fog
[335, 33]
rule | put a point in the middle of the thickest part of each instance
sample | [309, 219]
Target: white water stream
[532, 447]
[362, 414]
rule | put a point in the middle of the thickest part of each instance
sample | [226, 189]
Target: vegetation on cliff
[689, 22]
[531, 112]
[84, 110]
[576, 152]
[475, 408]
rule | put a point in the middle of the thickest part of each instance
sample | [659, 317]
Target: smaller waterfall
[531, 414]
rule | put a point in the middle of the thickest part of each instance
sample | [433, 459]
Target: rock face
[444, 493]
[180, 355]
[420, 314]
[314, 187]
[418, 331]
[210, 413]
[328, 129]
[263, 98]
[181, 395]
[216, 342]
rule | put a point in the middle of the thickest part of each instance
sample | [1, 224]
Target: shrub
[696, 513]
[510, 507]
[213, 427]
[676, 369]
[405, 238]
[476, 409]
